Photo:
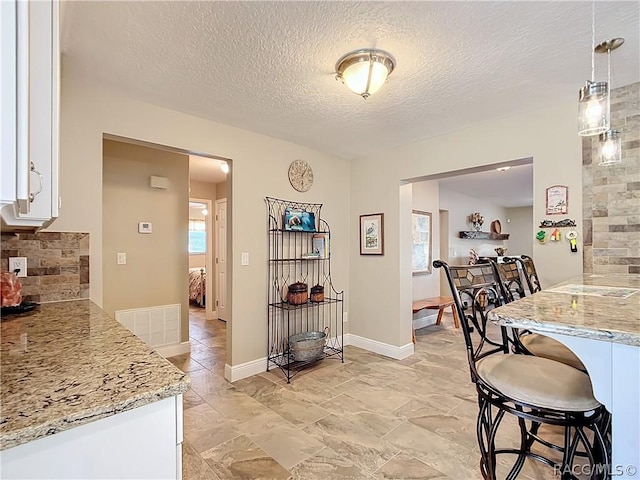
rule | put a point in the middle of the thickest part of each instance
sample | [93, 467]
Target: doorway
[201, 280]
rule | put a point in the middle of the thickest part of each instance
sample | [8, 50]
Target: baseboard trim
[375, 346]
[172, 350]
[426, 321]
[244, 370]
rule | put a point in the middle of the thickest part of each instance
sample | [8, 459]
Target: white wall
[460, 206]
[260, 163]
[521, 230]
[548, 136]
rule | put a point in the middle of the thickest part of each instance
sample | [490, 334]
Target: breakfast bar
[598, 317]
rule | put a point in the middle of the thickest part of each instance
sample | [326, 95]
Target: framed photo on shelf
[372, 234]
[299, 220]
[557, 200]
[421, 242]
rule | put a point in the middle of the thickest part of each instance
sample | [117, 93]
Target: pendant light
[610, 145]
[593, 99]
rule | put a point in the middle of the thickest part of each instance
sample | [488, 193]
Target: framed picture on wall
[372, 234]
[421, 242]
[557, 200]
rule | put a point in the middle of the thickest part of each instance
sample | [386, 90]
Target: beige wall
[521, 230]
[155, 273]
[221, 190]
[260, 165]
[548, 136]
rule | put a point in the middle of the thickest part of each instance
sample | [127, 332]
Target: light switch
[122, 258]
[245, 258]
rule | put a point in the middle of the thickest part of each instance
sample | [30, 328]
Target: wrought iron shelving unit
[286, 249]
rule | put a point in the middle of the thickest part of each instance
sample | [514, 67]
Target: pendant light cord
[593, 41]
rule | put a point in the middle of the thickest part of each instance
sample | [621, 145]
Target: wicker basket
[307, 346]
[317, 293]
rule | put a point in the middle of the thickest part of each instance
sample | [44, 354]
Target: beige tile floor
[370, 417]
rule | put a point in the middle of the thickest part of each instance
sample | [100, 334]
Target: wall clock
[300, 175]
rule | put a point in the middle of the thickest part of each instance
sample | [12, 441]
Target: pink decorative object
[11, 290]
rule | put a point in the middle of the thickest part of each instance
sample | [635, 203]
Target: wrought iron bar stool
[533, 389]
[530, 273]
[525, 341]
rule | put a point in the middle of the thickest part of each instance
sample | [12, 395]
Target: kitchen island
[598, 317]
[82, 397]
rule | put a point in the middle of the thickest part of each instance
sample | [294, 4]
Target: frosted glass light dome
[365, 71]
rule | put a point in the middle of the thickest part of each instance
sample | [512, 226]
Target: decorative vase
[477, 226]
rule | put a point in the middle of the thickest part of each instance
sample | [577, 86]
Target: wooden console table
[439, 303]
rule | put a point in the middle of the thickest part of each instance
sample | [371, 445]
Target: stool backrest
[476, 289]
[509, 274]
[530, 274]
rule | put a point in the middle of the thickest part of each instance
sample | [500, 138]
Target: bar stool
[533, 389]
[530, 274]
[527, 342]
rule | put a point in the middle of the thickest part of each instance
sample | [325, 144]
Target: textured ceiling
[269, 66]
[204, 169]
[512, 188]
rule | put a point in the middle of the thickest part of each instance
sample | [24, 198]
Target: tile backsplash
[57, 264]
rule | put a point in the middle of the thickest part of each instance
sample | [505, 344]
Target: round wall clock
[300, 175]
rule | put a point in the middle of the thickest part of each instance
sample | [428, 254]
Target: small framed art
[557, 200]
[372, 234]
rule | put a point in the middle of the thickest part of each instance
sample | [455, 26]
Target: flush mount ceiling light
[224, 166]
[365, 71]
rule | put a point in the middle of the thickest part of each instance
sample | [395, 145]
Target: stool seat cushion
[547, 347]
[538, 382]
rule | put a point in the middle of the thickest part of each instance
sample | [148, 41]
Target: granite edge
[612, 336]
[88, 415]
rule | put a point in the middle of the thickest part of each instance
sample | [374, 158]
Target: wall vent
[156, 326]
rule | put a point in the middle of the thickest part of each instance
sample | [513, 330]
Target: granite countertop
[600, 307]
[69, 363]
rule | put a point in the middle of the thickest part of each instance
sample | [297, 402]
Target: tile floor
[370, 417]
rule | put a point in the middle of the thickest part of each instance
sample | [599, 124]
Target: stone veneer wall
[57, 264]
[611, 195]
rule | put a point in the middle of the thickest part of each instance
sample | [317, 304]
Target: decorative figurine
[540, 236]
[572, 236]
[477, 220]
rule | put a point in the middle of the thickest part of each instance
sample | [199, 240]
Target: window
[197, 237]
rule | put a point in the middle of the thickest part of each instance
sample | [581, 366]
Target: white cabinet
[29, 99]
[143, 443]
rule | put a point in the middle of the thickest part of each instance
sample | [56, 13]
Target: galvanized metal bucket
[307, 346]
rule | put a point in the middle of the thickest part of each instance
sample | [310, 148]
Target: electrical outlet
[345, 319]
[122, 258]
[18, 263]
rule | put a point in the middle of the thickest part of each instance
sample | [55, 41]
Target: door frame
[209, 302]
[217, 255]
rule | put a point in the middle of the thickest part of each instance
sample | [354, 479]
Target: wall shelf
[473, 235]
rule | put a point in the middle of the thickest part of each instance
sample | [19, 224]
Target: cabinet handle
[32, 196]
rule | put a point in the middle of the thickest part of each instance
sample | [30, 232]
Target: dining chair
[524, 341]
[535, 390]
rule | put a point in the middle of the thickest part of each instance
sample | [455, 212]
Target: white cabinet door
[30, 147]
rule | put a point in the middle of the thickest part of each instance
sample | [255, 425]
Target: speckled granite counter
[69, 363]
[569, 309]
